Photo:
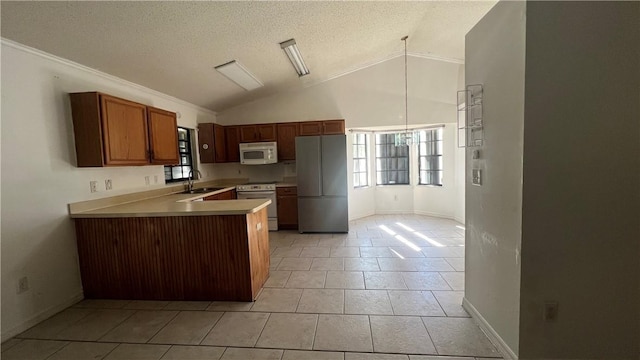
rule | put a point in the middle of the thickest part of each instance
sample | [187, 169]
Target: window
[360, 166]
[392, 162]
[173, 173]
[430, 157]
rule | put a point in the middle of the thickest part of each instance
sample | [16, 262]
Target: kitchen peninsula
[170, 247]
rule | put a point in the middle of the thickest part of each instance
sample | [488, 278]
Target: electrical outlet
[259, 226]
[93, 185]
[146, 180]
[108, 185]
[550, 312]
[395, 197]
[23, 284]
[155, 179]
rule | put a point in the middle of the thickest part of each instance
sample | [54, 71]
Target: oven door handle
[257, 193]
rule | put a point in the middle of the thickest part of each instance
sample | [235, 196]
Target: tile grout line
[118, 324]
[315, 332]
[165, 325]
[214, 325]
[112, 350]
[262, 330]
[439, 304]
[57, 351]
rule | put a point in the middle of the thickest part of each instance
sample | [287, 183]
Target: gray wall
[558, 216]
[495, 57]
[581, 196]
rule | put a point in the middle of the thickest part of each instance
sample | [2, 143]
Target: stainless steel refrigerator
[321, 167]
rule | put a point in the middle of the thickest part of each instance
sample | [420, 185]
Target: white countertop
[177, 205]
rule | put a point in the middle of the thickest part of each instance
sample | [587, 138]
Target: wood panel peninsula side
[167, 248]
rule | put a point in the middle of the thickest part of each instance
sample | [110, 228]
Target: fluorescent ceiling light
[237, 73]
[291, 49]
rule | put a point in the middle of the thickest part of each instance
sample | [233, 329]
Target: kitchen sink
[202, 190]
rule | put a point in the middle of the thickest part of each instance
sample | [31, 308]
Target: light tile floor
[390, 289]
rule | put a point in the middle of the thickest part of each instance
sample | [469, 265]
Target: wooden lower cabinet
[227, 195]
[221, 257]
[287, 203]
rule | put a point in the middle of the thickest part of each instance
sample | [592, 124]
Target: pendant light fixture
[405, 138]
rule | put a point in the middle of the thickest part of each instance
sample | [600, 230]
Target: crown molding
[77, 66]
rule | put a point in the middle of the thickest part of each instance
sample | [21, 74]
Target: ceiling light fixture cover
[237, 73]
[291, 49]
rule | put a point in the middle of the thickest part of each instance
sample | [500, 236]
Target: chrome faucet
[190, 178]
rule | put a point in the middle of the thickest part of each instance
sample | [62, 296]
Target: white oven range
[262, 191]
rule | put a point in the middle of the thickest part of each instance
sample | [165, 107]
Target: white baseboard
[426, 213]
[360, 216]
[41, 316]
[496, 339]
[393, 212]
[404, 212]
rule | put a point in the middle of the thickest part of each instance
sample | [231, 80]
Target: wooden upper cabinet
[333, 127]
[124, 132]
[310, 128]
[325, 127]
[287, 133]
[232, 138]
[258, 133]
[110, 131]
[220, 143]
[267, 132]
[248, 133]
[206, 146]
[163, 136]
[212, 144]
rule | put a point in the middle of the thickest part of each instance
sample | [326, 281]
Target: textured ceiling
[172, 47]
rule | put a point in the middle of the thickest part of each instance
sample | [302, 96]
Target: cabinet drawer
[289, 190]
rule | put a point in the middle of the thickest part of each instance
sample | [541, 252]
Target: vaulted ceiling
[172, 47]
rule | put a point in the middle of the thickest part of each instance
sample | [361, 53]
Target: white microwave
[258, 153]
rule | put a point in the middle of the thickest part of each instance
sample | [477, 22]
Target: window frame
[389, 144]
[433, 151]
[189, 152]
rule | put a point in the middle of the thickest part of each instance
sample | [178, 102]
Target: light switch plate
[476, 177]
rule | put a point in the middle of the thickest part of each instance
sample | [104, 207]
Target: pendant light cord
[406, 90]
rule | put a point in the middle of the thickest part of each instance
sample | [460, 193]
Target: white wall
[581, 195]
[495, 57]
[39, 177]
[441, 200]
[362, 201]
[556, 219]
[370, 98]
